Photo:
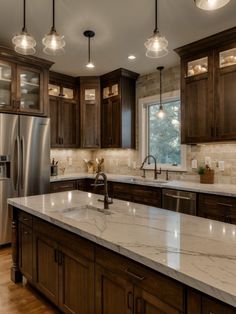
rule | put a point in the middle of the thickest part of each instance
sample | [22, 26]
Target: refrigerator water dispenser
[4, 167]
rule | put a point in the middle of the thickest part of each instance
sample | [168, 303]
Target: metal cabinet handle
[132, 274]
[178, 197]
[130, 300]
[225, 205]
[25, 219]
[26, 232]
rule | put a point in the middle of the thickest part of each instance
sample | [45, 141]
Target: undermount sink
[84, 211]
[140, 179]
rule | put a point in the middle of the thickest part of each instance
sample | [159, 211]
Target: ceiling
[121, 28]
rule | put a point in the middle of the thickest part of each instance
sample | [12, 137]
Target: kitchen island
[131, 259]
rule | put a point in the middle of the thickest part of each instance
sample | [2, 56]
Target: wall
[127, 161]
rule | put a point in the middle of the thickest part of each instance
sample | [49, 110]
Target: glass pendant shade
[211, 4]
[54, 43]
[24, 43]
[156, 46]
[161, 113]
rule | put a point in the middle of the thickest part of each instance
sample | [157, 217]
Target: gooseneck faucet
[106, 197]
[156, 172]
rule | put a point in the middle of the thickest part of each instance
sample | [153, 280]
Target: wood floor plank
[19, 298]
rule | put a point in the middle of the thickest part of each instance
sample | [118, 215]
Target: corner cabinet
[23, 83]
[208, 94]
[90, 112]
[64, 111]
[118, 109]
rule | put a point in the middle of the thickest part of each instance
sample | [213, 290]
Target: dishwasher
[179, 201]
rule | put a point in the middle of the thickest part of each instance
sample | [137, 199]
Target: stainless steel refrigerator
[24, 162]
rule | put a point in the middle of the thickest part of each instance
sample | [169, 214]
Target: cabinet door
[213, 207]
[90, 112]
[69, 124]
[226, 93]
[54, 117]
[210, 306]
[7, 86]
[76, 276]
[114, 294]
[26, 250]
[197, 116]
[46, 266]
[111, 123]
[30, 90]
[147, 303]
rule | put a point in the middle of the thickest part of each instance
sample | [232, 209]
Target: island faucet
[106, 197]
[156, 172]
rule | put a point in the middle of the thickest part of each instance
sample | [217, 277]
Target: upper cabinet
[90, 112]
[23, 83]
[64, 111]
[118, 109]
[208, 93]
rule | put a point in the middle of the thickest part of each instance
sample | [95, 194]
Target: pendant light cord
[156, 29]
[24, 20]
[89, 50]
[161, 88]
[53, 15]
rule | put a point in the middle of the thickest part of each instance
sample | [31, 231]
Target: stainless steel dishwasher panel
[179, 201]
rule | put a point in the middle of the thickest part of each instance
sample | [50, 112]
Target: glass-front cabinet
[30, 90]
[198, 66]
[6, 78]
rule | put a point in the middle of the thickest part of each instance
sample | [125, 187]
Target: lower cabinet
[123, 286]
[217, 207]
[26, 250]
[62, 273]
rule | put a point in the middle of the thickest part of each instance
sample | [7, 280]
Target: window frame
[143, 104]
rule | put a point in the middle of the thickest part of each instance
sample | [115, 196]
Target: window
[160, 137]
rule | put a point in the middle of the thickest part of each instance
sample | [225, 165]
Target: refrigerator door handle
[22, 163]
[16, 172]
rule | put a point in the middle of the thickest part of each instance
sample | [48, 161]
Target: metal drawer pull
[25, 219]
[178, 197]
[223, 204]
[129, 272]
[65, 186]
[26, 232]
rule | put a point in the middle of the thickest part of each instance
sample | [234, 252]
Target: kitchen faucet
[156, 172]
[106, 197]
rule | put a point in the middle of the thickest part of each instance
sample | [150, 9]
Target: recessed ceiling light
[131, 57]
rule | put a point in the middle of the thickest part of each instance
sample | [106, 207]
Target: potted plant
[206, 174]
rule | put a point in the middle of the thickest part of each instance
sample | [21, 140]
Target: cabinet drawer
[63, 186]
[211, 306]
[217, 207]
[25, 218]
[146, 195]
[165, 288]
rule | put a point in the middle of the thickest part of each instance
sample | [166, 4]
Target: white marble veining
[219, 189]
[195, 251]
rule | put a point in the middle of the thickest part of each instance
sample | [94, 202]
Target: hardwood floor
[19, 298]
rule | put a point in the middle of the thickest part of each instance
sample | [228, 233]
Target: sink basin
[144, 180]
[84, 212]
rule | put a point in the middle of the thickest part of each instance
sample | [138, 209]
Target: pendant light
[89, 35]
[24, 42]
[53, 42]
[156, 44]
[211, 4]
[161, 113]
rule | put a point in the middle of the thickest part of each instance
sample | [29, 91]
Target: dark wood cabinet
[62, 186]
[132, 288]
[118, 109]
[26, 250]
[23, 83]
[64, 111]
[137, 193]
[217, 207]
[208, 77]
[90, 112]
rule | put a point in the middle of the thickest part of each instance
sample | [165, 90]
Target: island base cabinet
[46, 269]
[114, 294]
[76, 281]
[26, 251]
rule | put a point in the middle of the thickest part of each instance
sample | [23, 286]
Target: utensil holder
[54, 170]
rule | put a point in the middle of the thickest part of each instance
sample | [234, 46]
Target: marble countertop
[197, 252]
[218, 189]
